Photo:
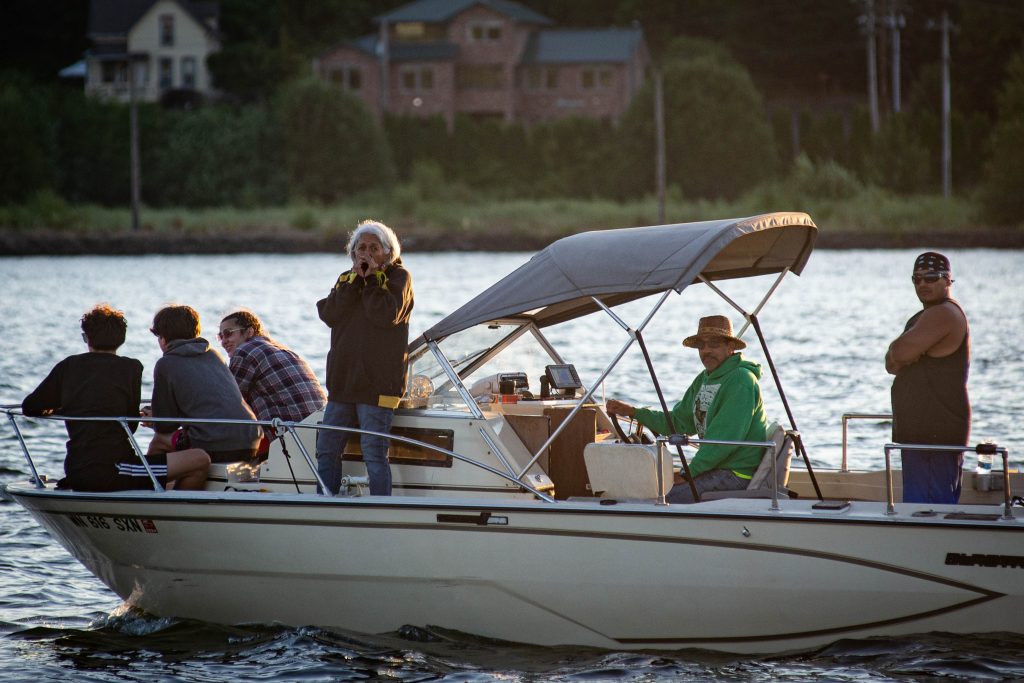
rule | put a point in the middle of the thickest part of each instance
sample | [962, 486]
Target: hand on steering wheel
[636, 433]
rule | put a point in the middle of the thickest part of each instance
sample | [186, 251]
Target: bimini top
[616, 266]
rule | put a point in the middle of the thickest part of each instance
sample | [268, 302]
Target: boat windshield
[480, 355]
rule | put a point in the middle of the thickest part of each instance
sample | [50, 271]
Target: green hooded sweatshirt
[723, 404]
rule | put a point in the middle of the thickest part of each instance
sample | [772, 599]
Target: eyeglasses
[153, 331]
[224, 334]
[702, 344]
[930, 278]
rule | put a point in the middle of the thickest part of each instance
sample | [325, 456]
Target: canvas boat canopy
[615, 266]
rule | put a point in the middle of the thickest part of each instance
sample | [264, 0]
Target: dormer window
[484, 31]
[166, 30]
[410, 30]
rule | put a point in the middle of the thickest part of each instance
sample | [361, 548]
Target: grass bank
[870, 217]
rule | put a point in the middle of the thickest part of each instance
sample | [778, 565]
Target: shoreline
[51, 243]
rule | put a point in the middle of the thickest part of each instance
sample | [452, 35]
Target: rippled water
[827, 331]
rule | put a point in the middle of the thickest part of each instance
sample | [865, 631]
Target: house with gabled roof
[166, 41]
[488, 59]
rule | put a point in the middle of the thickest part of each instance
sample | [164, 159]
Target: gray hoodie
[191, 380]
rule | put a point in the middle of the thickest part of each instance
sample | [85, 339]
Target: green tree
[332, 146]
[718, 139]
[1001, 196]
[27, 144]
[219, 155]
[576, 157]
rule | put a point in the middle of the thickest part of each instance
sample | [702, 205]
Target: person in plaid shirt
[274, 380]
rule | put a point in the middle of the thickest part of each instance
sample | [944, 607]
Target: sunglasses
[930, 278]
[224, 334]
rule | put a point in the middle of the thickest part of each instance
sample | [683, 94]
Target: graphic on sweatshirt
[705, 397]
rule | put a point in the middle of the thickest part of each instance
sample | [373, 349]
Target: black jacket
[369, 321]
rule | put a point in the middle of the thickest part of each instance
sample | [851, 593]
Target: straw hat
[714, 326]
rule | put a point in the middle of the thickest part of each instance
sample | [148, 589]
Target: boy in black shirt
[102, 384]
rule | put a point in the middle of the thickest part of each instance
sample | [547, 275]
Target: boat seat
[761, 483]
[626, 471]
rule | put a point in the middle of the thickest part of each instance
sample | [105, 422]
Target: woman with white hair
[368, 311]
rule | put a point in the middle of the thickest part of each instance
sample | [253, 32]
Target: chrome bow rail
[279, 427]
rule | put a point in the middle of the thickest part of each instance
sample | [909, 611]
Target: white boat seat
[761, 483]
[626, 471]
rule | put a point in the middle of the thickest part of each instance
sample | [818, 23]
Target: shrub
[27, 142]
[332, 146]
[218, 156]
[898, 159]
[718, 139]
[1000, 193]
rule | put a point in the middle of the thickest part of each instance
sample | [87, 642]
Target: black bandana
[931, 260]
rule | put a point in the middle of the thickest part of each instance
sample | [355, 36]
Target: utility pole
[947, 142]
[867, 22]
[384, 52]
[896, 22]
[945, 27]
[133, 125]
[659, 145]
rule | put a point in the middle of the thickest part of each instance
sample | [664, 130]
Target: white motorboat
[519, 515]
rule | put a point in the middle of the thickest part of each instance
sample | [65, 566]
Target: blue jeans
[331, 444]
[932, 476]
[712, 480]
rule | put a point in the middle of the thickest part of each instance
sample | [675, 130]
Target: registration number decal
[135, 525]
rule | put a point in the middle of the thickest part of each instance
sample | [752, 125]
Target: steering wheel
[637, 434]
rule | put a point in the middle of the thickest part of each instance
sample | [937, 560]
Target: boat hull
[728, 575]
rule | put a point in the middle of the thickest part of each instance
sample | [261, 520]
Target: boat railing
[279, 427]
[844, 465]
[981, 448]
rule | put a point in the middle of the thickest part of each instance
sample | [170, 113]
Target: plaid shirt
[275, 381]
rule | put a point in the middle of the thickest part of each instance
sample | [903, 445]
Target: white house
[167, 41]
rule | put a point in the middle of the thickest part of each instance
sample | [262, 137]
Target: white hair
[383, 233]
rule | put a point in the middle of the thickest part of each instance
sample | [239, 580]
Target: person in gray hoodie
[192, 381]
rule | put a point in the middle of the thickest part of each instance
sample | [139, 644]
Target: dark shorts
[123, 476]
[180, 441]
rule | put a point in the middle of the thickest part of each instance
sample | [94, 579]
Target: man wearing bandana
[931, 360]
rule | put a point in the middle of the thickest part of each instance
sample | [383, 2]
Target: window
[346, 77]
[166, 23]
[551, 78]
[537, 77]
[480, 77]
[166, 73]
[591, 78]
[115, 72]
[410, 30]
[484, 31]
[188, 72]
[417, 78]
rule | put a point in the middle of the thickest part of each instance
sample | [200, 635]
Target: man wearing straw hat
[931, 361]
[722, 403]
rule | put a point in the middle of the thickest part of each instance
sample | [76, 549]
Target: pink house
[488, 58]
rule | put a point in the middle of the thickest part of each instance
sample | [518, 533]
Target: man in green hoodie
[722, 403]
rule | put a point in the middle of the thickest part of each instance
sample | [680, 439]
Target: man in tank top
[931, 360]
